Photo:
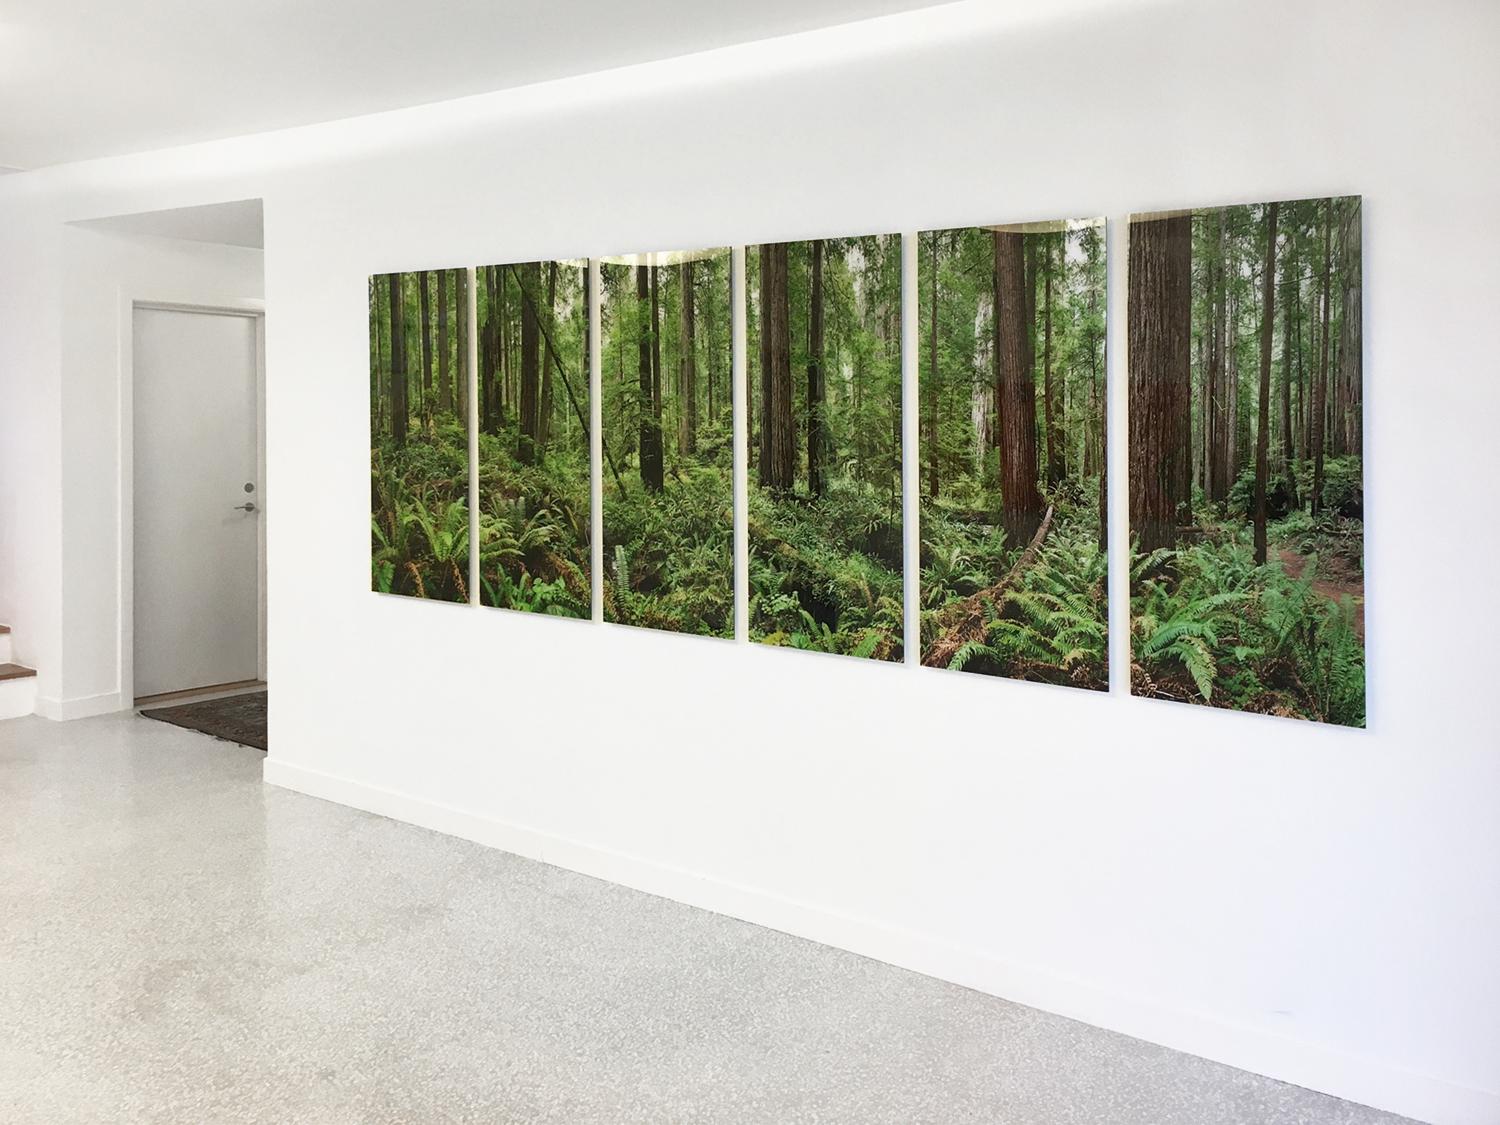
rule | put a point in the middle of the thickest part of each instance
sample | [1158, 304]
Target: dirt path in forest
[1332, 582]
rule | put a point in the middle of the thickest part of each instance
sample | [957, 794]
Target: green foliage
[419, 520]
[1054, 626]
[534, 530]
[825, 574]
[670, 556]
[1207, 624]
[1051, 626]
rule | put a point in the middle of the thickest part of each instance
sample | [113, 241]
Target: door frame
[254, 310]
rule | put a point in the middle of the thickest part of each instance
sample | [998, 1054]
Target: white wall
[1318, 904]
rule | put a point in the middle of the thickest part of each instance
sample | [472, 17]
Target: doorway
[198, 530]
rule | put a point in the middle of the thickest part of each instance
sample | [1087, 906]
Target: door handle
[247, 506]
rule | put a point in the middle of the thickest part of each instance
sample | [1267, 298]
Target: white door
[197, 502]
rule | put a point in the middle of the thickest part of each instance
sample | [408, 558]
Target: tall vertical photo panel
[533, 382]
[1246, 453]
[1011, 410]
[824, 457]
[668, 479]
[419, 446]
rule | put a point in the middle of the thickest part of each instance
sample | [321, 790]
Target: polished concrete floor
[179, 942]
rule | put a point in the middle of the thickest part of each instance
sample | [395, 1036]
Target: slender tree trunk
[544, 407]
[461, 343]
[933, 477]
[424, 296]
[687, 420]
[1159, 331]
[1015, 393]
[1320, 388]
[656, 401]
[1232, 387]
[1289, 267]
[1263, 416]
[777, 446]
[398, 361]
[445, 383]
[379, 378]
[817, 397]
[504, 334]
[711, 372]
[1351, 327]
[526, 448]
[1053, 414]
[650, 424]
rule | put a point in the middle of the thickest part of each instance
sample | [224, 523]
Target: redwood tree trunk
[1015, 393]
[1351, 327]
[777, 449]
[1160, 372]
[1320, 387]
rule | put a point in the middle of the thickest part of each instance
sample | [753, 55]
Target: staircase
[17, 684]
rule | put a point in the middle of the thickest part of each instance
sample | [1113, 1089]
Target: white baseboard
[1367, 1081]
[83, 707]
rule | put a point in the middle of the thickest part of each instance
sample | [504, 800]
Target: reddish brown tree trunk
[777, 444]
[1015, 393]
[1320, 387]
[1159, 299]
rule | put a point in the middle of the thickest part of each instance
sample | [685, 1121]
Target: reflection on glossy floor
[179, 942]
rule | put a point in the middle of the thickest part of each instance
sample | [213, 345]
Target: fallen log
[965, 622]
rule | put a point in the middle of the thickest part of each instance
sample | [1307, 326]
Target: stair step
[17, 688]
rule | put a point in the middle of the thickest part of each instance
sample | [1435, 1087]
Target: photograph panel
[824, 456]
[419, 446]
[1246, 395]
[533, 381]
[1011, 408]
[667, 403]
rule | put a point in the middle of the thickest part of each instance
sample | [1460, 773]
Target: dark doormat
[234, 718]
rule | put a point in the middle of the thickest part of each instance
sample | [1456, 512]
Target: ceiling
[89, 78]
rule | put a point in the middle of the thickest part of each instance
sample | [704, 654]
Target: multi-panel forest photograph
[1246, 445]
[1011, 404]
[532, 322]
[667, 400]
[824, 390]
[419, 445]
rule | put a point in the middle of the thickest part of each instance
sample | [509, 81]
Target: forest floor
[1336, 579]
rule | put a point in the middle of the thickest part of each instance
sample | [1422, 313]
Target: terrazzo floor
[180, 943]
